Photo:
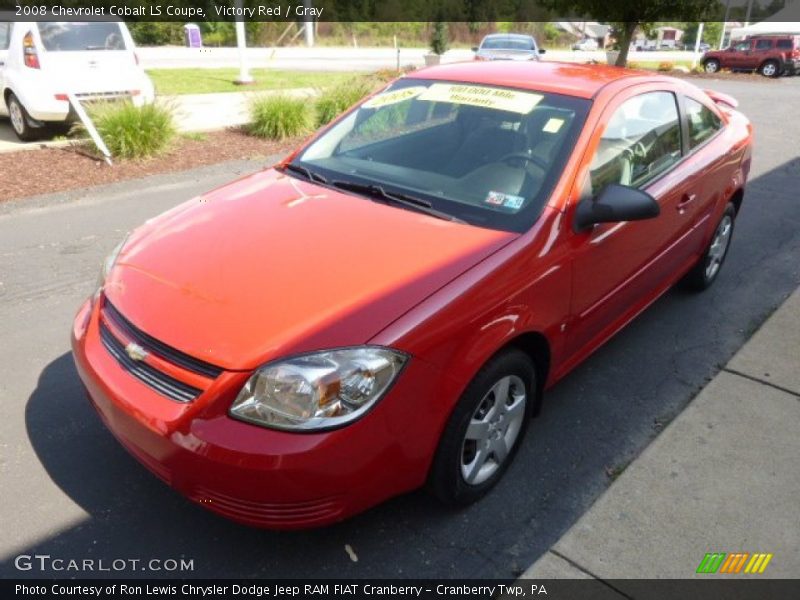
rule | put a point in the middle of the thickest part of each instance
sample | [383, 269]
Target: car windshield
[71, 37]
[507, 44]
[483, 154]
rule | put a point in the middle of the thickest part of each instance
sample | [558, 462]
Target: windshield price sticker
[488, 97]
[393, 97]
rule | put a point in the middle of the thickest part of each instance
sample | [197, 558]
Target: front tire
[711, 65]
[20, 120]
[705, 272]
[485, 430]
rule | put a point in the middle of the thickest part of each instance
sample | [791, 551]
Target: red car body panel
[342, 288]
[350, 272]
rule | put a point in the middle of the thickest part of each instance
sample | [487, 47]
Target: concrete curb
[722, 477]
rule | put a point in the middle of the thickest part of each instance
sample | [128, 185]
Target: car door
[761, 52]
[709, 154]
[739, 56]
[618, 268]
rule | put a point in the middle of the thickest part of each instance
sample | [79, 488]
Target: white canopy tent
[766, 28]
[776, 24]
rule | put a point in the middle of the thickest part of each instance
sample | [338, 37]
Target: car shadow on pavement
[593, 423]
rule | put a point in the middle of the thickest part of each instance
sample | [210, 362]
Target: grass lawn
[206, 81]
[653, 64]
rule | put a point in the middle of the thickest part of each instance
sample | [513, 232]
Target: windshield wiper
[377, 191]
[308, 173]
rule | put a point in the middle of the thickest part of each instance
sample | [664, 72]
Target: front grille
[160, 349]
[160, 382]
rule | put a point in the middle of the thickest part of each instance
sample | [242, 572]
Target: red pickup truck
[770, 55]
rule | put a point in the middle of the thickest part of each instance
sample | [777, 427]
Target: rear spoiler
[721, 98]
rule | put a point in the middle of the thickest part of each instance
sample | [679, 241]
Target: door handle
[686, 200]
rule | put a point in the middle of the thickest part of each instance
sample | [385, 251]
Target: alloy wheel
[493, 430]
[719, 246]
[16, 116]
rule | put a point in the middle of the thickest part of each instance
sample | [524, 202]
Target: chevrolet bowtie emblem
[136, 352]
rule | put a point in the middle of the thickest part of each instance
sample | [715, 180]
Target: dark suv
[770, 55]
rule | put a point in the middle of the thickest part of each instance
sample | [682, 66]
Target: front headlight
[108, 264]
[320, 390]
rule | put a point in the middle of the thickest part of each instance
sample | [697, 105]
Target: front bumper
[255, 475]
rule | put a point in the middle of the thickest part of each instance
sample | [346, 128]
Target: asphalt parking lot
[69, 490]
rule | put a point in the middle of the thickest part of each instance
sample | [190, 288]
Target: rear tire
[705, 272]
[20, 120]
[711, 65]
[485, 429]
[770, 68]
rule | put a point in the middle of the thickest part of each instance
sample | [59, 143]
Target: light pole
[697, 44]
[309, 24]
[241, 43]
[724, 25]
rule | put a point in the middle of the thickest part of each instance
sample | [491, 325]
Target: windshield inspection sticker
[394, 97]
[509, 201]
[553, 125]
[478, 95]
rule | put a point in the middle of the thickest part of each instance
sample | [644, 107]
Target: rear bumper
[254, 475]
[39, 96]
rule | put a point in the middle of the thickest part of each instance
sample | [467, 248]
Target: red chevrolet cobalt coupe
[385, 307]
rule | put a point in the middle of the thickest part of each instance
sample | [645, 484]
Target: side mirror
[474, 48]
[615, 203]
[542, 50]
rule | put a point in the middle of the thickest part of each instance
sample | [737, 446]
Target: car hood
[271, 265]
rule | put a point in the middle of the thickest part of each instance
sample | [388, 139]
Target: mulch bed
[743, 76]
[47, 170]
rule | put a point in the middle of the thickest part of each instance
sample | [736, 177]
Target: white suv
[40, 63]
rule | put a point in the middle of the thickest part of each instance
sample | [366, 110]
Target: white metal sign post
[87, 122]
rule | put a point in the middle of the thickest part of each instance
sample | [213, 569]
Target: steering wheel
[539, 162]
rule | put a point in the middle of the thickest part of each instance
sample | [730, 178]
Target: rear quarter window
[785, 44]
[703, 123]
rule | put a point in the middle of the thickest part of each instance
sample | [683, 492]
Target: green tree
[626, 15]
[439, 38]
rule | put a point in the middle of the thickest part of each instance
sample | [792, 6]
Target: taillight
[29, 52]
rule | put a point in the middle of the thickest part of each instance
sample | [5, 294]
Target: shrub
[133, 131]
[333, 100]
[666, 66]
[278, 117]
[439, 38]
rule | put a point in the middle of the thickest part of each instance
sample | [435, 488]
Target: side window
[703, 123]
[742, 46]
[5, 35]
[785, 44]
[763, 44]
[641, 141]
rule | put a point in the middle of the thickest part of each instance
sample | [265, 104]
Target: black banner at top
[472, 11]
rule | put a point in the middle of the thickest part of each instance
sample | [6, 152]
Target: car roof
[508, 36]
[570, 79]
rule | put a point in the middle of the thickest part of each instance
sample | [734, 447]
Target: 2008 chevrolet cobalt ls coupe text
[384, 308]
